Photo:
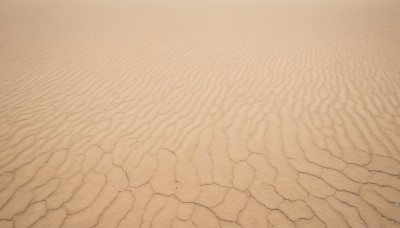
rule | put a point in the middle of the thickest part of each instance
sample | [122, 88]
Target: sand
[199, 113]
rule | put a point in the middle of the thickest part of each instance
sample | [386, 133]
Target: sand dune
[199, 113]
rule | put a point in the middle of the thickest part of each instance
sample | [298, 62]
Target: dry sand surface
[199, 113]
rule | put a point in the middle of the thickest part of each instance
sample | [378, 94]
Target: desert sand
[199, 113]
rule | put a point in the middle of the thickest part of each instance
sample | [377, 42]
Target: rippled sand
[199, 113]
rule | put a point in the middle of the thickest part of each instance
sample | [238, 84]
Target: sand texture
[199, 113]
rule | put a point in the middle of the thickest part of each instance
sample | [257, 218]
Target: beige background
[199, 113]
